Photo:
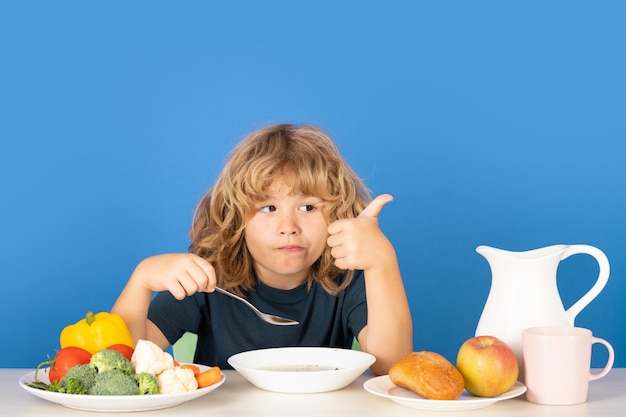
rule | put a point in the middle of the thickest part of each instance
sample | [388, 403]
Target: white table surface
[237, 397]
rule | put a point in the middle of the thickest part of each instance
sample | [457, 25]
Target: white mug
[557, 364]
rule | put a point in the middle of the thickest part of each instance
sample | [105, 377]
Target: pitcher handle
[603, 277]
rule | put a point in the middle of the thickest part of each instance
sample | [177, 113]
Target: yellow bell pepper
[96, 332]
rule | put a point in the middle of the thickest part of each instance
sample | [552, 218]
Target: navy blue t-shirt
[226, 326]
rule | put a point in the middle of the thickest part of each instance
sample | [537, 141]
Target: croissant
[428, 374]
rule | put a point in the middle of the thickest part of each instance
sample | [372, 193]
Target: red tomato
[125, 350]
[65, 359]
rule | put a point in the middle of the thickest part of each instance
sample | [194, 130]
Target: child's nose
[288, 226]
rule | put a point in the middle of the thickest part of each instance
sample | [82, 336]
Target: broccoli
[69, 386]
[55, 387]
[74, 386]
[109, 359]
[84, 374]
[114, 382]
[147, 383]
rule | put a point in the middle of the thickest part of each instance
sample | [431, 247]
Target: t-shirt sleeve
[175, 317]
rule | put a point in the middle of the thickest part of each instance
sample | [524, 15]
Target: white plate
[383, 387]
[114, 403]
[301, 369]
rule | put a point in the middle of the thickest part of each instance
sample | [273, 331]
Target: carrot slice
[209, 377]
[194, 368]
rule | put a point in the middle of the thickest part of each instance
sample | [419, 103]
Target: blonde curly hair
[217, 231]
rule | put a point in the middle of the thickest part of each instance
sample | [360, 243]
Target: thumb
[376, 205]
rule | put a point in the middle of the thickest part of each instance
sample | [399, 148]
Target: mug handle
[609, 362]
[603, 277]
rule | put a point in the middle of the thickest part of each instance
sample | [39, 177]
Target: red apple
[488, 365]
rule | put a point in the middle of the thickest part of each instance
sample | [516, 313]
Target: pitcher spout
[540, 253]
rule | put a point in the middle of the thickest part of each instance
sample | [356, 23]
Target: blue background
[496, 123]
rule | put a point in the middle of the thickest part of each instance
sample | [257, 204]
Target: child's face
[286, 235]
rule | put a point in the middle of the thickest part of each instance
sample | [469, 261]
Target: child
[288, 226]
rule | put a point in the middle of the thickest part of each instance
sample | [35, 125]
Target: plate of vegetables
[108, 381]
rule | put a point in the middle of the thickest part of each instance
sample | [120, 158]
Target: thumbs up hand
[359, 243]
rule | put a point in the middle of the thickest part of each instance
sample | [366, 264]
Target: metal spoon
[270, 318]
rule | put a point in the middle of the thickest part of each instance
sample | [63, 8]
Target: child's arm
[182, 274]
[360, 244]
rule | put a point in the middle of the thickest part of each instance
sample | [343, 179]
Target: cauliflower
[150, 358]
[176, 379]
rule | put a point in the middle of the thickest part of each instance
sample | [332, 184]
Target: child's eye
[267, 209]
[307, 207]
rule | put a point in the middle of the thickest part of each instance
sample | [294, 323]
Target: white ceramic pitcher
[524, 291]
